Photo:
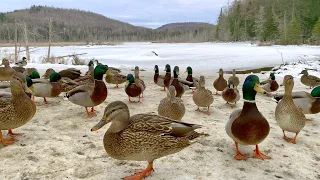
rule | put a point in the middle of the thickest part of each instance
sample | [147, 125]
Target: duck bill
[127, 83]
[259, 89]
[100, 124]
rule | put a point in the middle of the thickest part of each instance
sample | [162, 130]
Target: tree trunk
[26, 41]
[49, 46]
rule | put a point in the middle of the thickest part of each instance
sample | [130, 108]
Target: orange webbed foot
[7, 142]
[257, 154]
[92, 114]
[12, 134]
[140, 174]
[240, 156]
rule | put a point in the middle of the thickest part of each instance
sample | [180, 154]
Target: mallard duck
[131, 88]
[115, 78]
[71, 73]
[309, 80]
[16, 109]
[167, 77]
[158, 79]
[308, 103]
[231, 94]
[143, 137]
[176, 83]
[220, 83]
[171, 106]
[234, 78]
[22, 62]
[112, 70]
[203, 97]
[270, 85]
[48, 73]
[48, 89]
[90, 95]
[6, 72]
[288, 116]
[26, 81]
[192, 79]
[91, 69]
[139, 82]
[247, 126]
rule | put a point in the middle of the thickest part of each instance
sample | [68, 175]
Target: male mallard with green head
[288, 116]
[6, 72]
[247, 126]
[179, 86]
[234, 78]
[192, 79]
[92, 94]
[231, 94]
[143, 137]
[48, 89]
[203, 97]
[139, 82]
[220, 83]
[158, 79]
[270, 85]
[16, 109]
[309, 80]
[167, 78]
[131, 88]
[309, 103]
[171, 106]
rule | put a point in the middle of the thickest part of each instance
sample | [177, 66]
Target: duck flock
[147, 137]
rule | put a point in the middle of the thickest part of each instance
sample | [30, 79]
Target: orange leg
[116, 86]
[239, 155]
[32, 98]
[257, 154]
[139, 99]
[139, 175]
[164, 89]
[6, 142]
[208, 111]
[90, 114]
[290, 140]
[217, 93]
[141, 95]
[92, 109]
[129, 99]
[193, 91]
[12, 134]
[45, 100]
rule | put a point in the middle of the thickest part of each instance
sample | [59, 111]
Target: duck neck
[288, 90]
[250, 108]
[100, 90]
[175, 75]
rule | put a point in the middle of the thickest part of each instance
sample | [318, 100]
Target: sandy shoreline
[57, 143]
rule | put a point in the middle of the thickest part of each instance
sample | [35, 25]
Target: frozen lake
[202, 57]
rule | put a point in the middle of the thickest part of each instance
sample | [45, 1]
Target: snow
[205, 57]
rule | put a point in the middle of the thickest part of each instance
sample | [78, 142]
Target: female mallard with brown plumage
[115, 79]
[189, 78]
[203, 97]
[143, 137]
[220, 84]
[234, 78]
[48, 89]
[71, 73]
[288, 116]
[6, 72]
[112, 70]
[131, 88]
[16, 109]
[270, 85]
[167, 78]
[171, 106]
[90, 95]
[231, 94]
[309, 103]
[247, 126]
[309, 80]
[139, 82]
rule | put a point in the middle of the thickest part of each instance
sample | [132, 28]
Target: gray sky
[148, 13]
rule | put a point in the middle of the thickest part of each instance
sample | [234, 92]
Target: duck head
[272, 76]
[35, 75]
[167, 68]
[304, 72]
[189, 70]
[176, 71]
[117, 113]
[316, 92]
[54, 77]
[5, 62]
[99, 71]
[234, 72]
[251, 87]
[220, 72]
[130, 79]
[202, 81]
[288, 83]
[156, 69]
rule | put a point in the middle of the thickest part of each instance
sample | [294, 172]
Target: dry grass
[5, 54]
[264, 44]
[64, 60]
[45, 44]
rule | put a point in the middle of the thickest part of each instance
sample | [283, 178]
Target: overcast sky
[148, 13]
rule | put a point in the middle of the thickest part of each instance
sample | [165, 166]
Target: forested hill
[70, 25]
[185, 26]
[277, 21]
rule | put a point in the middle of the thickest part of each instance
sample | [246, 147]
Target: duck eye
[113, 110]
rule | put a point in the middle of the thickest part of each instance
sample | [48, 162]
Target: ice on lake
[204, 57]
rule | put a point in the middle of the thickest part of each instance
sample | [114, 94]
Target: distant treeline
[70, 25]
[276, 21]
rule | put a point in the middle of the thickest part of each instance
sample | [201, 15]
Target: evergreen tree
[316, 31]
[219, 23]
[270, 28]
[294, 32]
